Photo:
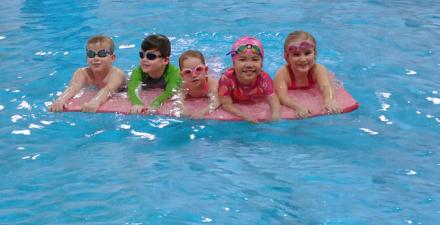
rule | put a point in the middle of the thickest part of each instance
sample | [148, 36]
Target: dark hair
[102, 40]
[191, 53]
[157, 42]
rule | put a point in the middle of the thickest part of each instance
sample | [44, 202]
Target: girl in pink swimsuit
[197, 83]
[247, 80]
[302, 72]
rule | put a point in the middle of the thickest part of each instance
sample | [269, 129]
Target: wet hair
[299, 35]
[157, 42]
[101, 39]
[189, 54]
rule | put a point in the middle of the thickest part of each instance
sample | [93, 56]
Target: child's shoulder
[320, 66]
[282, 70]
[82, 69]
[229, 72]
[116, 69]
[228, 77]
[82, 72]
[319, 69]
[265, 76]
[282, 73]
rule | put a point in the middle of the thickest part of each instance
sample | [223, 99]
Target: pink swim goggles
[187, 72]
[304, 45]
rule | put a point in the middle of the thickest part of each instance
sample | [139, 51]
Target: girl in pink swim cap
[246, 80]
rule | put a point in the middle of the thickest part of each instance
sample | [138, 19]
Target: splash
[126, 46]
[436, 101]
[144, 135]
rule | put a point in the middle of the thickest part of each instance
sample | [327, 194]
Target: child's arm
[174, 81]
[214, 102]
[179, 101]
[77, 82]
[228, 106]
[115, 81]
[322, 78]
[280, 82]
[274, 106]
[132, 91]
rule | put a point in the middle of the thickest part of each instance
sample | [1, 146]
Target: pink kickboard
[310, 98]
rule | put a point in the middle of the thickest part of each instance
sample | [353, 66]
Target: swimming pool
[376, 165]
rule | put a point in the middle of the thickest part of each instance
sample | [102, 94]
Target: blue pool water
[377, 165]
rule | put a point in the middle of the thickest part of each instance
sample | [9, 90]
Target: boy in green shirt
[154, 71]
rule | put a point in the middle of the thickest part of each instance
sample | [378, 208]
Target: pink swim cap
[250, 42]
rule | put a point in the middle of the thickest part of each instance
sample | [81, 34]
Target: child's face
[193, 71]
[301, 55]
[248, 67]
[99, 57]
[153, 63]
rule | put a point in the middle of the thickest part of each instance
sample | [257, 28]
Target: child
[246, 79]
[302, 72]
[197, 83]
[154, 71]
[100, 73]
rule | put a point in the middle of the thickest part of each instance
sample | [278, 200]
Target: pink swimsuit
[229, 86]
[293, 86]
[205, 89]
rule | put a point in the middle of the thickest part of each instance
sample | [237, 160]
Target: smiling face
[247, 67]
[301, 55]
[193, 72]
[98, 63]
[153, 63]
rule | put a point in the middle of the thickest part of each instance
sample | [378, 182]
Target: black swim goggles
[149, 55]
[101, 53]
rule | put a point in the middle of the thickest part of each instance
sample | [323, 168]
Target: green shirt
[172, 79]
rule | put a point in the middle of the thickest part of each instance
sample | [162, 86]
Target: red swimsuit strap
[293, 82]
[206, 87]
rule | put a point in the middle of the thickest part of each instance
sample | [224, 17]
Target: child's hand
[150, 110]
[138, 109]
[91, 106]
[57, 106]
[332, 106]
[275, 116]
[302, 112]
[250, 119]
[197, 115]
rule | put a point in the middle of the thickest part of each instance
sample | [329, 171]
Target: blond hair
[299, 35]
[189, 54]
[102, 40]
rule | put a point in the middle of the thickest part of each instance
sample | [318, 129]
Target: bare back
[290, 81]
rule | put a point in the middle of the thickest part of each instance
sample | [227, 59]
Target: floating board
[310, 98]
